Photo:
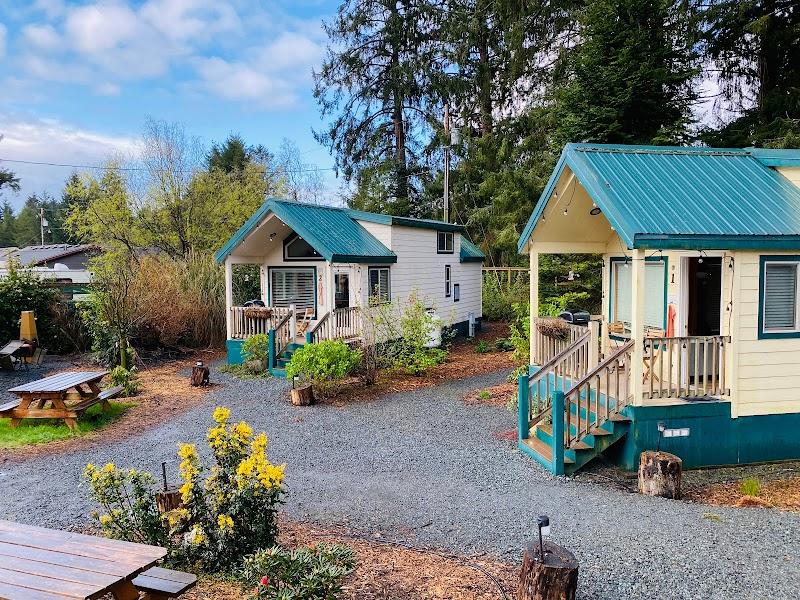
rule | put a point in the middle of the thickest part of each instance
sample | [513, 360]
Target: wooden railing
[283, 334]
[680, 367]
[591, 400]
[559, 373]
[341, 324]
[548, 346]
[247, 322]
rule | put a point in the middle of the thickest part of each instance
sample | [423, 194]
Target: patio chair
[305, 321]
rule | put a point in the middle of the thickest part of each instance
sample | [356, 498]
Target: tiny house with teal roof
[320, 266]
[697, 349]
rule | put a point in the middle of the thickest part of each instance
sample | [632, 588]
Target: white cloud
[291, 51]
[108, 89]
[52, 141]
[239, 81]
[2, 40]
[43, 37]
[182, 20]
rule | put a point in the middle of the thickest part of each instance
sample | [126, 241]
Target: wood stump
[303, 395]
[167, 500]
[199, 376]
[555, 578]
[660, 474]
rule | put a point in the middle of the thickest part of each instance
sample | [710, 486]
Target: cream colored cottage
[697, 350]
[319, 265]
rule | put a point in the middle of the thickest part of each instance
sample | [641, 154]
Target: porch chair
[305, 321]
[651, 362]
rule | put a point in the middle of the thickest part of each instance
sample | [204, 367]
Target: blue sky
[78, 78]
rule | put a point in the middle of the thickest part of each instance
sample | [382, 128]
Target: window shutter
[780, 296]
[293, 286]
[654, 308]
[622, 291]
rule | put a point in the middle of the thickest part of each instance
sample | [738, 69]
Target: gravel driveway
[425, 468]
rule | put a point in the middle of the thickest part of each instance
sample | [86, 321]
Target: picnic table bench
[10, 354]
[62, 396]
[46, 564]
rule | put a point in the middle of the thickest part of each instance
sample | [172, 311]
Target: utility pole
[42, 223]
[446, 202]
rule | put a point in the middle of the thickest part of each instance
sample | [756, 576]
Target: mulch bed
[498, 395]
[387, 571]
[783, 494]
[164, 393]
[462, 362]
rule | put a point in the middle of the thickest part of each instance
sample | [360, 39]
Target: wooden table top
[47, 564]
[60, 382]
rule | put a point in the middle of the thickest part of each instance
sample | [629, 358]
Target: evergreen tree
[630, 79]
[7, 226]
[753, 47]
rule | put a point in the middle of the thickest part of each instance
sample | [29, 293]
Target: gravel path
[425, 468]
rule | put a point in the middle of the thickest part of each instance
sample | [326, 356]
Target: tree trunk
[303, 396]
[555, 578]
[660, 474]
[199, 376]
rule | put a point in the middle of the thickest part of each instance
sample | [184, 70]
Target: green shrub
[499, 296]
[127, 378]
[482, 347]
[521, 332]
[504, 345]
[484, 395]
[323, 364]
[309, 573]
[416, 325]
[256, 347]
[750, 487]
[22, 290]
[225, 516]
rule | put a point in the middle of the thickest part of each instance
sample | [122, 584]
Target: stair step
[598, 431]
[618, 418]
[581, 445]
[543, 450]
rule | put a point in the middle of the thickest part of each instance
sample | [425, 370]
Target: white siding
[791, 173]
[383, 233]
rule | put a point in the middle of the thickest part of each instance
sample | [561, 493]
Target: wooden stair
[280, 369]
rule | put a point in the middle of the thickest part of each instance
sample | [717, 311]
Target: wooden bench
[109, 393]
[9, 406]
[158, 584]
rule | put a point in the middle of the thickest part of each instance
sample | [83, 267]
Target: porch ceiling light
[595, 211]
[272, 236]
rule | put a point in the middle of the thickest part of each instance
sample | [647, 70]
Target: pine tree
[630, 78]
[7, 226]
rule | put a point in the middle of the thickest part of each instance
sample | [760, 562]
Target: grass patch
[41, 431]
[243, 372]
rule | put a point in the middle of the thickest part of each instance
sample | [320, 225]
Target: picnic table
[62, 396]
[47, 564]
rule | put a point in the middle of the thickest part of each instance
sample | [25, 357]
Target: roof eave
[352, 258]
[650, 241]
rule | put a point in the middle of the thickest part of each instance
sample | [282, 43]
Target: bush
[482, 347]
[256, 347]
[750, 487]
[127, 378]
[311, 573]
[504, 345]
[521, 332]
[499, 296]
[416, 325]
[224, 517]
[323, 364]
[23, 290]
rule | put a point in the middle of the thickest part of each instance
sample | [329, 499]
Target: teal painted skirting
[715, 439]
[234, 348]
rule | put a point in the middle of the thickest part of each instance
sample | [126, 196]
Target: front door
[704, 303]
[342, 287]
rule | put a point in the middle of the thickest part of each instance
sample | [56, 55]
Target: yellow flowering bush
[227, 511]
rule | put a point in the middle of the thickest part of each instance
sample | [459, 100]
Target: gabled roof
[662, 197]
[470, 252]
[370, 217]
[33, 256]
[331, 231]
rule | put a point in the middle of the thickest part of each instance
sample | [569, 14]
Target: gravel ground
[423, 467]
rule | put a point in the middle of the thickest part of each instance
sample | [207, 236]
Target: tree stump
[167, 500]
[199, 375]
[303, 395]
[555, 578]
[660, 474]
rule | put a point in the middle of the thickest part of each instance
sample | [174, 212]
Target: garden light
[543, 523]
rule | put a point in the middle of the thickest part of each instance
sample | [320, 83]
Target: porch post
[637, 325]
[293, 322]
[534, 302]
[228, 298]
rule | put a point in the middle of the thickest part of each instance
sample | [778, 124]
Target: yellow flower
[186, 491]
[225, 522]
[186, 451]
[222, 414]
[196, 536]
[105, 520]
[243, 431]
[109, 468]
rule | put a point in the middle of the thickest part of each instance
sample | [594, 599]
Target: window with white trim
[296, 248]
[444, 244]
[293, 286]
[780, 306]
[447, 281]
[379, 284]
[621, 290]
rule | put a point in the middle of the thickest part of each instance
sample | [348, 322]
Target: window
[456, 292]
[379, 284]
[780, 311]
[293, 286]
[445, 242]
[296, 248]
[621, 289]
[447, 281]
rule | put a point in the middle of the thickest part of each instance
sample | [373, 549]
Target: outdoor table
[47, 564]
[68, 395]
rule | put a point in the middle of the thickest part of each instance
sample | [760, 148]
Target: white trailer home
[319, 265]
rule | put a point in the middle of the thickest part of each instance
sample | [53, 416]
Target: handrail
[319, 323]
[685, 366]
[556, 359]
[283, 334]
[593, 373]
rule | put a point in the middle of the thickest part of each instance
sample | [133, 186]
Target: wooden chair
[651, 363]
[305, 321]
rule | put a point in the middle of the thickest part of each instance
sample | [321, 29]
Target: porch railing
[283, 334]
[545, 344]
[250, 321]
[601, 392]
[342, 323]
[559, 373]
[679, 367]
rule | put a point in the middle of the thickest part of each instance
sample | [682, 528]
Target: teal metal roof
[331, 231]
[663, 197]
[404, 221]
[470, 252]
